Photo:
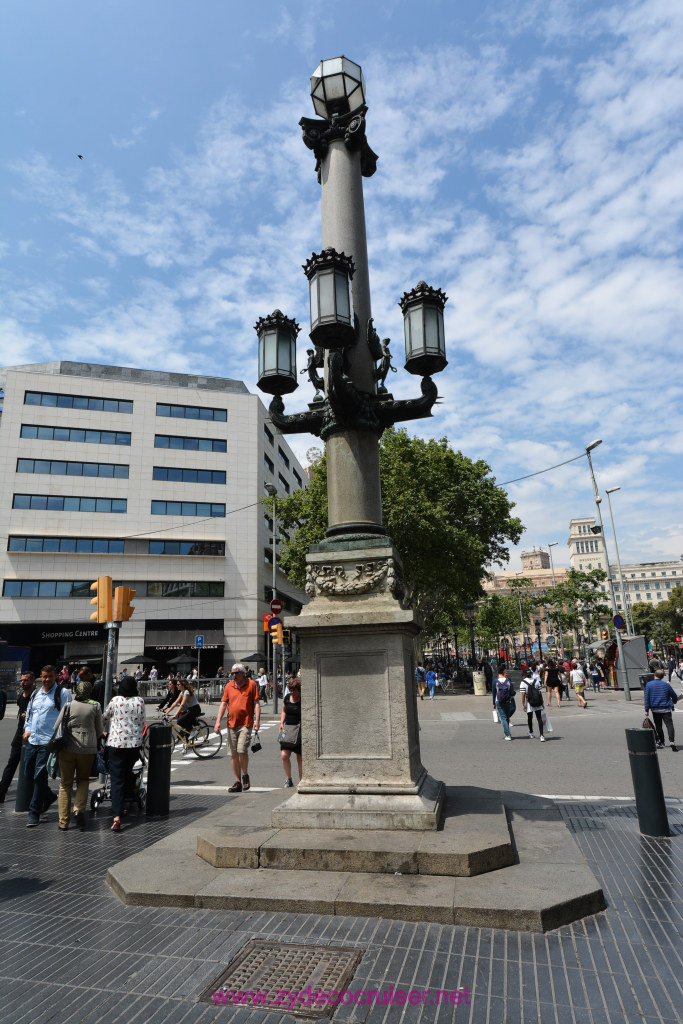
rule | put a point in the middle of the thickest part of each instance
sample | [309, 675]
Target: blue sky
[530, 165]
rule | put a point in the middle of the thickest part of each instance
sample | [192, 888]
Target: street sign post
[198, 642]
[276, 606]
[198, 645]
[618, 621]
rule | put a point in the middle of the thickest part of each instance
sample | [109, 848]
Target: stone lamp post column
[361, 751]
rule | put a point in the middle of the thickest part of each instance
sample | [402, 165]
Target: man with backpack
[23, 697]
[503, 699]
[532, 701]
[421, 680]
[41, 716]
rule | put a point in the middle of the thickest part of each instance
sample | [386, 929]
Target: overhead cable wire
[540, 471]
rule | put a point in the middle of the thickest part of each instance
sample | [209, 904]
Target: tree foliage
[443, 511]
[669, 615]
[572, 596]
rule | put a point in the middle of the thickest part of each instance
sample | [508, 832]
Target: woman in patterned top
[125, 720]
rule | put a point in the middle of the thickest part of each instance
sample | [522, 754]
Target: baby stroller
[103, 792]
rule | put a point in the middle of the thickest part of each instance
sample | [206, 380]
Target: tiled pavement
[71, 952]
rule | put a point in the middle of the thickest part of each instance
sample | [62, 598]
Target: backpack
[503, 691]
[3, 703]
[534, 697]
[58, 697]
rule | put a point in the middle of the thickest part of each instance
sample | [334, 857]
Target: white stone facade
[649, 582]
[221, 592]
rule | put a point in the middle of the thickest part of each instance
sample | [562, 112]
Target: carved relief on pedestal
[379, 576]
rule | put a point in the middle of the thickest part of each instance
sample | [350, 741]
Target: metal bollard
[159, 770]
[24, 787]
[647, 782]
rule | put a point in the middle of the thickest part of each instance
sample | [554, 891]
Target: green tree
[579, 591]
[443, 511]
[644, 618]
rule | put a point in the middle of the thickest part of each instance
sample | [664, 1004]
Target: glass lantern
[329, 276]
[337, 87]
[423, 328]
[277, 353]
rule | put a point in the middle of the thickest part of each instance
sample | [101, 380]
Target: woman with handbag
[290, 730]
[82, 722]
[125, 718]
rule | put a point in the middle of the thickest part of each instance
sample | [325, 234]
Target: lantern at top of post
[277, 353]
[423, 327]
[329, 276]
[337, 87]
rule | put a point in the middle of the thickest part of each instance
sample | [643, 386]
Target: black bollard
[24, 787]
[159, 770]
[647, 782]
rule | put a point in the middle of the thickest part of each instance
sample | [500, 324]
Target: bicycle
[201, 739]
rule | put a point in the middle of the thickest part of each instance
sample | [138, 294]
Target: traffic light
[287, 636]
[102, 599]
[605, 635]
[276, 633]
[123, 609]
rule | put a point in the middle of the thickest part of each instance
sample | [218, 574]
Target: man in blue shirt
[41, 716]
[431, 681]
[660, 698]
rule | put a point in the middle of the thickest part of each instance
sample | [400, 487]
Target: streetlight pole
[272, 491]
[537, 624]
[552, 569]
[627, 610]
[469, 613]
[610, 585]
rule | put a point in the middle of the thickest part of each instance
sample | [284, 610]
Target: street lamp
[272, 493]
[356, 620]
[586, 613]
[552, 545]
[469, 615]
[610, 585]
[537, 625]
[627, 607]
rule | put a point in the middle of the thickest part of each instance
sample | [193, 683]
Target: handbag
[647, 723]
[256, 745]
[495, 716]
[289, 736]
[547, 724]
[62, 734]
[52, 765]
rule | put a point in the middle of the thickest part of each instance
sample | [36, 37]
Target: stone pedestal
[361, 751]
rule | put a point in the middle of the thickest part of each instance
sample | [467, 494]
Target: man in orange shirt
[241, 700]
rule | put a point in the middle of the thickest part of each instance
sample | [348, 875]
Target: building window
[284, 482]
[268, 435]
[269, 523]
[175, 588]
[283, 458]
[199, 509]
[59, 503]
[649, 597]
[189, 476]
[268, 464]
[297, 478]
[187, 547]
[46, 588]
[77, 402]
[192, 412]
[190, 444]
[66, 545]
[268, 556]
[647, 586]
[57, 467]
[77, 434]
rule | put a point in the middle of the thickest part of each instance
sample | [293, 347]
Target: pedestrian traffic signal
[102, 599]
[605, 635]
[276, 633]
[123, 609]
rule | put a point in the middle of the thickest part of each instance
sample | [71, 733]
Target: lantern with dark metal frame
[423, 328]
[337, 87]
[277, 353]
[329, 276]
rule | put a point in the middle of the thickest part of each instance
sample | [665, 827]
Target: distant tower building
[536, 559]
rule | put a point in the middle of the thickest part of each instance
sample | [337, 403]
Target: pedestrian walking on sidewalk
[578, 680]
[125, 720]
[431, 682]
[504, 699]
[553, 682]
[241, 701]
[290, 731]
[421, 680]
[23, 697]
[41, 716]
[531, 692]
[660, 698]
[85, 727]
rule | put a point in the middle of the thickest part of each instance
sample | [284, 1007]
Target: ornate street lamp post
[469, 615]
[360, 770]
[537, 626]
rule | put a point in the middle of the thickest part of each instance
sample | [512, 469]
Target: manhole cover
[304, 980]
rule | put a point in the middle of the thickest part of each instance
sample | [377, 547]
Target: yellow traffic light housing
[605, 635]
[102, 599]
[123, 609]
[276, 633]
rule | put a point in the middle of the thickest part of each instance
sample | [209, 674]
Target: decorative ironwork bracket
[318, 133]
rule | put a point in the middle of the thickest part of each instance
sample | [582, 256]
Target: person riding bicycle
[189, 709]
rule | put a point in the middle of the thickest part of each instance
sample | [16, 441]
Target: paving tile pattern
[71, 953]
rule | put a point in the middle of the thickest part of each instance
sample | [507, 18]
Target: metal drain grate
[285, 975]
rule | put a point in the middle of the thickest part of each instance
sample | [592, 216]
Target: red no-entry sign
[276, 606]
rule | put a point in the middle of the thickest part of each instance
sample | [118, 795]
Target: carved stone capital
[380, 575]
